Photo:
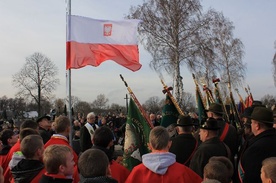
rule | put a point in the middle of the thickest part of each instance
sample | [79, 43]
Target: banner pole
[68, 35]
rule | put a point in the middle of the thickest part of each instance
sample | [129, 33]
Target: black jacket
[206, 150]
[183, 146]
[26, 170]
[231, 139]
[46, 135]
[258, 148]
[49, 179]
[101, 179]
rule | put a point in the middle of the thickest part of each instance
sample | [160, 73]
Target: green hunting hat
[262, 114]
[184, 121]
[215, 108]
[210, 124]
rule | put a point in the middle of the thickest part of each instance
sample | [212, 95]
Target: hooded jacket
[161, 168]
[26, 170]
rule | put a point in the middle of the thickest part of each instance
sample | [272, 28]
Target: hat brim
[43, 117]
[217, 112]
[204, 128]
[184, 124]
[261, 121]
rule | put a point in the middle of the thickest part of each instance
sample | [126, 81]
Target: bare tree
[274, 65]
[176, 33]
[36, 78]
[82, 107]
[58, 105]
[189, 102]
[152, 105]
[268, 100]
[100, 102]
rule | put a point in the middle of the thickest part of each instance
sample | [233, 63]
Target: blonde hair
[54, 156]
[269, 168]
[61, 124]
[159, 138]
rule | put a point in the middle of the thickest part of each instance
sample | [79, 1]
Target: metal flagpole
[68, 75]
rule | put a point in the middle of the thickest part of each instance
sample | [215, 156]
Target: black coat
[206, 150]
[85, 139]
[231, 139]
[49, 179]
[46, 135]
[258, 148]
[183, 146]
[26, 170]
[101, 179]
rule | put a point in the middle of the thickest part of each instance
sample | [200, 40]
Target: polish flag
[91, 42]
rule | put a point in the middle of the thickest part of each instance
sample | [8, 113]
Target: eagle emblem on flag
[107, 29]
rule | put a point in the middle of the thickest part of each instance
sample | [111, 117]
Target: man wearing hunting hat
[211, 146]
[184, 144]
[260, 147]
[227, 132]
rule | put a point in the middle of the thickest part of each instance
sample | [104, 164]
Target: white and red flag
[91, 42]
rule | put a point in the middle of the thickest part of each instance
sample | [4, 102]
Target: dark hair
[102, 136]
[216, 170]
[93, 163]
[226, 162]
[5, 135]
[29, 124]
[30, 144]
[27, 131]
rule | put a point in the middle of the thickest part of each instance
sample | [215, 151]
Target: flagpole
[68, 35]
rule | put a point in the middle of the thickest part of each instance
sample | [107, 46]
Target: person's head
[59, 159]
[152, 117]
[8, 137]
[261, 120]
[53, 126]
[184, 124]
[103, 137]
[210, 181]
[208, 129]
[93, 163]
[216, 170]
[29, 124]
[215, 111]
[62, 125]
[226, 162]
[268, 170]
[103, 120]
[44, 122]
[91, 117]
[32, 147]
[27, 131]
[77, 123]
[159, 139]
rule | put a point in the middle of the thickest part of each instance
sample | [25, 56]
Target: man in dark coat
[260, 147]
[87, 131]
[227, 132]
[44, 124]
[210, 146]
[184, 144]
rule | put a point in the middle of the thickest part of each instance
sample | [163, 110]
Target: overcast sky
[39, 26]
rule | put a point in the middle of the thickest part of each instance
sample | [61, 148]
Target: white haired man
[87, 131]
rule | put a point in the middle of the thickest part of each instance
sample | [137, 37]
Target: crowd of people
[212, 151]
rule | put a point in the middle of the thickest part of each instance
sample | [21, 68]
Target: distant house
[30, 114]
